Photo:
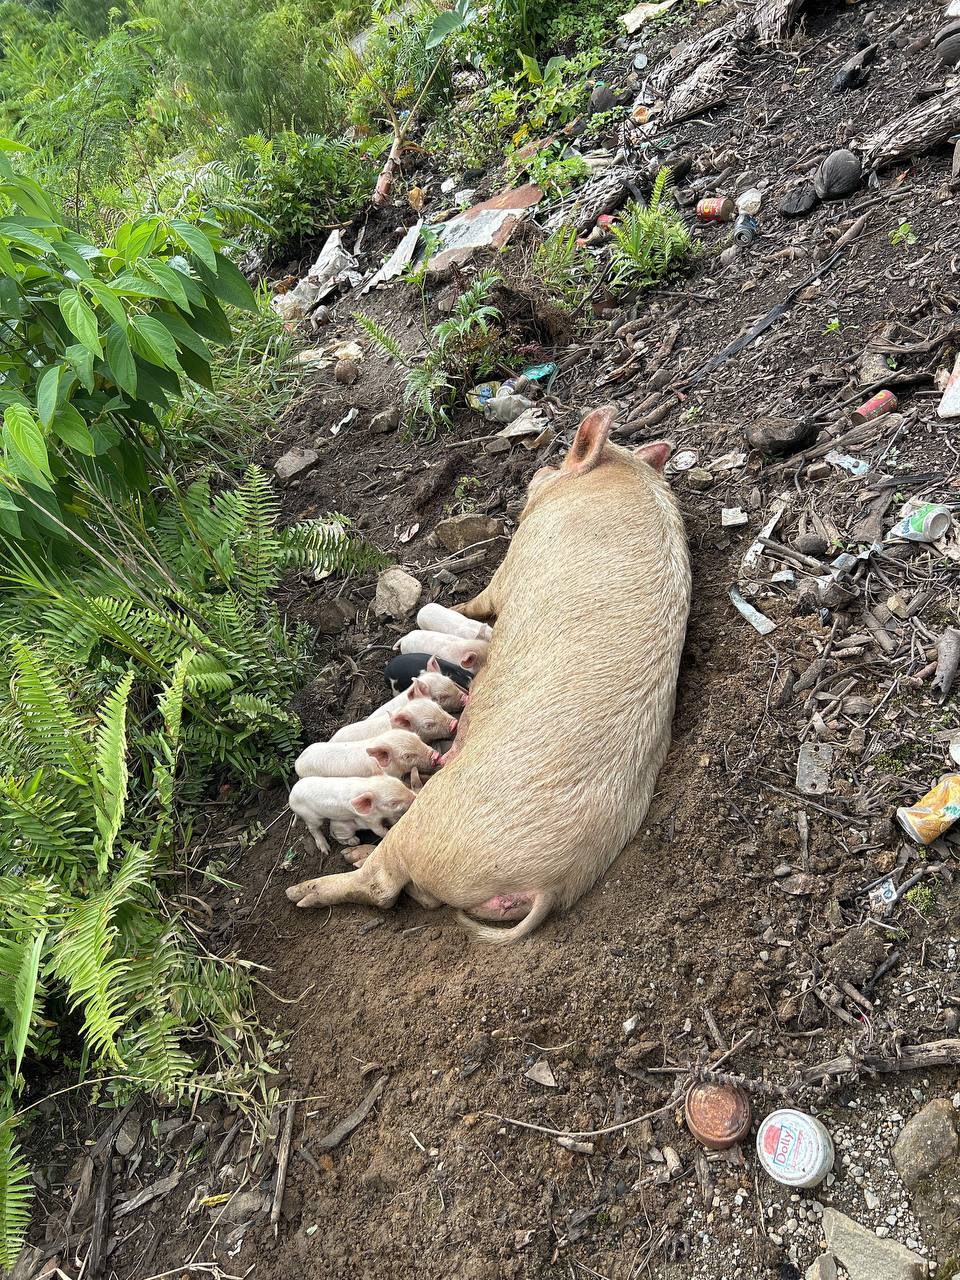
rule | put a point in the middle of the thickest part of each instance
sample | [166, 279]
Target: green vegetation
[904, 236]
[650, 241]
[562, 268]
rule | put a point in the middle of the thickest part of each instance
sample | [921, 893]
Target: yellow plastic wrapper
[935, 812]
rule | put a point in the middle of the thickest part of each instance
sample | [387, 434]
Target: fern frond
[26, 987]
[16, 1195]
[382, 337]
[110, 754]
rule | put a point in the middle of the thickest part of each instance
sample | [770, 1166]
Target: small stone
[926, 1142]
[780, 435]
[819, 471]
[128, 1137]
[823, 1268]
[295, 461]
[698, 478]
[383, 423]
[799, 200]
[541, 1073]
[346, 372]
[243, 1206]
[601, 99]
[867, 1256]
[331, 616]
[810, 544]
[397, 594]
[871, 1200]
[459, 532]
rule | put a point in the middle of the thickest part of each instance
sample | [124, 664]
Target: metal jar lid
[718, 1115]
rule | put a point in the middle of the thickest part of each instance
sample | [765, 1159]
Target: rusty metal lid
[718, 1115]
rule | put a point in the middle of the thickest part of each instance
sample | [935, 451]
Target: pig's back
[570, 720]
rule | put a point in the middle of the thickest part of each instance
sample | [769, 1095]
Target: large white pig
[591, 606]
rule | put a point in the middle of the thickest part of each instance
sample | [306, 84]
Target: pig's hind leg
[377, 883]
[484, 607]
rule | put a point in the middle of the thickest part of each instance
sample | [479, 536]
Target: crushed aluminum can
[883, 402]
[926, 524]
[744, 231]
[759, 621]
[716, 209]
[856, 466]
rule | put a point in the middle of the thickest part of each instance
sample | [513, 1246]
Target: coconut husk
[924, 126]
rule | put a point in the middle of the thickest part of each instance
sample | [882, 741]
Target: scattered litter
[683, 460]
[749, 201]
[398, 261]
[490, 224]
[544, 373]
[925, 524]
[856, 466]
[345, 421]
[530, 423]
[934, 813]
[744, 231]
[784, 576]
[954, 749]
[716, 209]
[333, 266]
[728, 461]
[813, 768]
[794, 1148]
[718, 1115]
[479, 397]
[883, 402]
[409, 533]
[540, 1073]
[635, 18]
[758, 547]
[883, 897]
[838, 176]
[733, 517]
[330, 354]
[756, 619]
[949, 406]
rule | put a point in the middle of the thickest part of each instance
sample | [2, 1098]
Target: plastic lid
[794, 1148]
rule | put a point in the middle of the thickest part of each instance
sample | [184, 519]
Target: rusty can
[716, 209]
[718, 1115]
[883, 402]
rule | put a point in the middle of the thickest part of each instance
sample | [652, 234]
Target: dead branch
[350, 1122]
[935, 1053]
[948, 655]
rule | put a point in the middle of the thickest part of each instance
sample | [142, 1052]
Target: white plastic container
[794, 1148]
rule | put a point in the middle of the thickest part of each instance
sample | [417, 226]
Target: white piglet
[436, 617]
[394, 753]
[469, 654]
[349, 805]
[430, 683]
[422, 716]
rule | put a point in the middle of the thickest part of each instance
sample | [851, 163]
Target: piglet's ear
[654, 455]
[587, 447]
[419, 689]
[362, 804]
[381, 755]
[469, 660]
[433, 664]
[400, 720]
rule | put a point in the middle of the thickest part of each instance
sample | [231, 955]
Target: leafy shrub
[650, 240]
[395, 60]
[148, 679]
[556, 174]
[100, 341]
[562, 269]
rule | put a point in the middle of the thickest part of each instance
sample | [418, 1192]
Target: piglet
[471, 654]
[422, 716]
[442, 681]
[349, 805]
[394, 753]
[435, 617]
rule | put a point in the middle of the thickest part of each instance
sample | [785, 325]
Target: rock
[866, 1256]
[823, 1268]
[346, 372]
[129, 1136]
[780, 435]
[926, 1142]
[397, 594]
[946, 44]
[294, 461]
[333, 615]
[540, 1073]
[810, 544]
[838, 176]
[384, 422]
[799, 200]
[458, 532]
[699, 478]
[243, 1206]
[601, 99]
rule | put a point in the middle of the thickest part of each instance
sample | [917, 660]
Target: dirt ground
[738, 916]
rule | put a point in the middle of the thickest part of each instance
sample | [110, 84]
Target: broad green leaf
[75, 261]
[166, 278]
[81, 358]
[15, 229]
[109, 301]
[47, 389]
[211, 322]
[444, 24]
[138, 239]
[69, 425]
[81, 319]
[183, 333]
[130, 285]
[22, 434]
[29, 196]
[230, 286]
[8, 267]
[196, 368]
[11, 304]
[8, 144]
[120, 359]
[154, 342]
[195, 240]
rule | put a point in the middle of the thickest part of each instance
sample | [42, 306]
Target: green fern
[650, 241]
[16, 1195]
[382, 337]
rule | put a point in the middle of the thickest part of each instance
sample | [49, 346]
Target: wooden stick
[283, 1160]
[586, 1133]
[935, 1053]
[347, 1125]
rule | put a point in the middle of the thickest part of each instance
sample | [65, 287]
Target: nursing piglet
[591, 605]
[394, 753]
[470, 654]
[446, 682]
[425, 718]
[349, 805]
[435, 617]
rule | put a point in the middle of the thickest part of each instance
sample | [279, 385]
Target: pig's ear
[654, 455]
[419, 689]
[587, 447]
[468, 661]
[401, 720]
[433, 664]
[381, 755]
[363, 803]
